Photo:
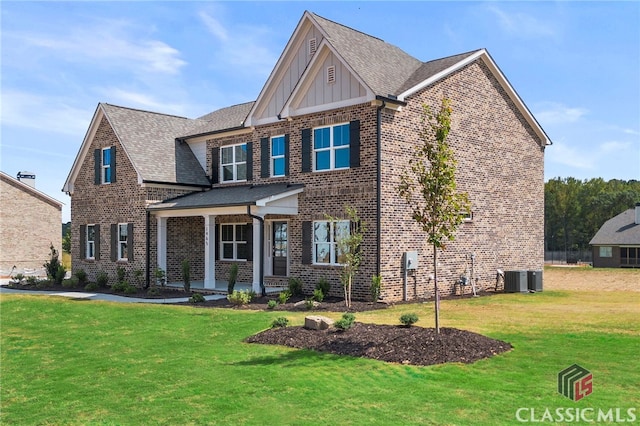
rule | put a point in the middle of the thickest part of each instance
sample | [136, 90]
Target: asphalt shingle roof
[620, 229]
[222, 119]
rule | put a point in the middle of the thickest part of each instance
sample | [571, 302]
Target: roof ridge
[454, 55]
[221, 108]
[146, 111]
[346, 26]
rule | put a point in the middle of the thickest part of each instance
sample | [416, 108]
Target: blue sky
[575, 64]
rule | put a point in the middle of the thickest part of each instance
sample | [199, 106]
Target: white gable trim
[307, 77]
[497, 73]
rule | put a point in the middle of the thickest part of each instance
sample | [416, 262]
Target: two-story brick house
[335, 124]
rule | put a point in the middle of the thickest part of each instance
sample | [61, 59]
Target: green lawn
[83, 362]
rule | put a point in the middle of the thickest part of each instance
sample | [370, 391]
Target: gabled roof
[619, 230]
[30, 190]
[223, 119]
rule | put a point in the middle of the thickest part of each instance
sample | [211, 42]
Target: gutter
[379, 180]
[261, 260]
[147, 280]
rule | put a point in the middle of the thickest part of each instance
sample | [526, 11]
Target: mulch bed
[398, 344]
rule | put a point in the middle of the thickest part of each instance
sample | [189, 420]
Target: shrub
[318, 295]
[252, 295]
[186, 275]
[197, 298]
[239, 298]
[161, 277]
[295, 286]
[284, 296]
[17, 278]
[53, 264]
[346, 322]
[32, 280]
[309, 303]
[153, 291]
[102, 279]
[272, 304]
[60, 273]
[82, 276]
[280, 322]
[121, 287]
[376, 287]
[233, 276]
[91, 287]
[324, 286]
[138, 277]
[42, 283]
[129, 289]
[70, 283]
[408, 319]
[121, 274]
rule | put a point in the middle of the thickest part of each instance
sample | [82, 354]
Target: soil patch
[405, 345]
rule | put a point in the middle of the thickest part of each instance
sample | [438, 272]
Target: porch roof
[232, 196]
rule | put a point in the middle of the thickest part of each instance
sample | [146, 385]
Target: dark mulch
[330, 304]
[405, 345]
[165, 293]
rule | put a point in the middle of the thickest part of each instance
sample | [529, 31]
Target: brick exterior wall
[29, 225]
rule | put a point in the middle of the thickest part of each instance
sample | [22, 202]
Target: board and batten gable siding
[501, 166]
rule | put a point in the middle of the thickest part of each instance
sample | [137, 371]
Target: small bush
[324, 286]
[376, 287]
[318, 295]
[18, 278]
[252, 295]
[408, 319]
[32, 280]
[60, 275]
[186, 275]
[129, 289]
[53, 265]
[138, 277]
[295, 286]
[239, 298]
[70, 283]
[102, 279]
[161, 277]
[346, 322]
[82, 276]
[153, 291]
[309, 303]
[284, 296]
[280, 322]
[42, 283]
[121, 274]
[233, 276]
[197, 298]
[91, 287]
[120, 286]
[272, 304]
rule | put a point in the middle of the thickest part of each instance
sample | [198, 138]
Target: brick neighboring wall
[29, 225]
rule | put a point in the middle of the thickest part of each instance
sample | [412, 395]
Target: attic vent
[331, 74]
[312, 46]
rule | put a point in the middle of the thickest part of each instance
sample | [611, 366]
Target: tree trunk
[435, 287]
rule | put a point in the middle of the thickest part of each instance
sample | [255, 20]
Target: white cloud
[521, 24]
[614, 146]
[568, 155]
[556, 113]
[214, 26]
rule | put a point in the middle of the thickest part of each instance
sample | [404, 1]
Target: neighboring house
[617, 242]
[335, 124]
[30, 222]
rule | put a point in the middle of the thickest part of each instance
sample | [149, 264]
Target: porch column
[161, 245]
[209, 251]
[257, 255]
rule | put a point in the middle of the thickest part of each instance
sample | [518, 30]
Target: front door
[280, 248]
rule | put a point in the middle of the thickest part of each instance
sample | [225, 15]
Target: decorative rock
[317, 322]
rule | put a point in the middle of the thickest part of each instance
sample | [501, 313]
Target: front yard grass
[79, 362]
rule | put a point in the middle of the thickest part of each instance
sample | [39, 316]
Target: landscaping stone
[317, 322]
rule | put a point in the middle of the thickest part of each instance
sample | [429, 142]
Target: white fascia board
[306, 79]
[84, 148]
[213, 135]
[264, 201]
[204, 211]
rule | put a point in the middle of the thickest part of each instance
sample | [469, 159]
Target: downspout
[261, 260]
[147, 282]
[379, 183]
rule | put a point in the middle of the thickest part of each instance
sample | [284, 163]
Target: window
[90, 243]
[106, 165]
[606, 252]
[277, 156]
[326, 234]
[331, 147]
[233, 241]
[123, 237]
[629, 256]
[233, 161]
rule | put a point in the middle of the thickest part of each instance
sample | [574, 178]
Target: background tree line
[574, 210]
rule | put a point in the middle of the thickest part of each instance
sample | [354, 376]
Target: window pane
[90, 253]
[106, 157]
[123, 232]
[227, 251]
[341, 135]
[242, 172]
[123, 250]
[242, 251]
[323, 253]
[227, 173]
[321, 138]
[342, 158]
[342, 258]
[323, 160]
[321, 232]
[341, 230]
[241, 153]
[227, 233]
[241, 232]
[278, 166]
[227, 155]
[277, 146]
[90, 233]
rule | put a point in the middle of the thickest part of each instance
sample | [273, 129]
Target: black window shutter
[249, 160]
[306, 243]
[249, 241]
[265, 158]
[83, 241]
[97, 158]
[114, 242]
[354, 143]
[306, 150]
[286, 154]
[217, 241]
[96, 244]
[215, 165]
[113, 164]
[130, 241]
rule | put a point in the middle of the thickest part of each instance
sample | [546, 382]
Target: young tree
[348, 240]
[428, 186]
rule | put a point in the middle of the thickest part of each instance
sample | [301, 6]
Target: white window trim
[275, 157]
[90, 243]
[122, 254]
[331, 148]
[234, 163]
[235, 242]
[333, 245]
[105, 167]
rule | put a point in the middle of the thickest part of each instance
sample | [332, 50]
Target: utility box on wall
[515, 282]
[534, 280]
[410, 260]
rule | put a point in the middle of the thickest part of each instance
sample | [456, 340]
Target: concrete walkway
[79, 295]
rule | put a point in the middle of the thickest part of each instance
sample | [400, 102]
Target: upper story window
[106, 165]
[123, 237]
[326, 235]
[233, 162]
[233, 241]
[277, 156]
[90, 243]
[331, 147]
